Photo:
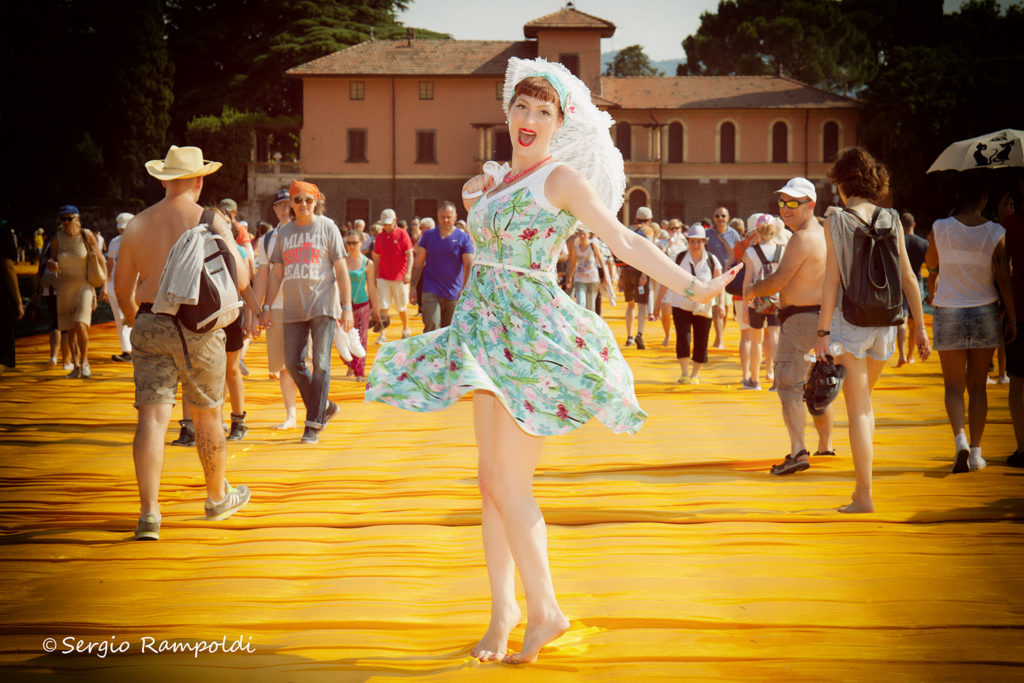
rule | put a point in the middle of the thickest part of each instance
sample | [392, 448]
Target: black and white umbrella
[1002, 149]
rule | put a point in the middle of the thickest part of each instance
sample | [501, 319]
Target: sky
[658, 25]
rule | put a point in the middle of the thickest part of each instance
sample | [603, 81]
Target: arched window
[780, 143]
[675, 143]
[624, 140]
[830, 142]
[637, 198]
[727, 143]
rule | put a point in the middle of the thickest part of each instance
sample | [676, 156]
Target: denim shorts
[877, 342]
[965, 328]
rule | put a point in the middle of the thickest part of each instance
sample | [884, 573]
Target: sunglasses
[351, 244]
[66, 219]
[304, 200]
[792, 203]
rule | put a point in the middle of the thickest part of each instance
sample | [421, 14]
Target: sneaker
[406, 333]
[311, 435]
[332, 410]
[234, 501]
[69, 366]
[75, 373]
[148, 528]
[683, 380]
[752, 384]
[86, 372]
[238, 428]
[1004, 379]
[187, 435]
[53, 360]
[694, 380]
[355, 345]
[975, 461]
[341, 343]
[124, 357]
[639, 339]
[990, 380]
[629, 342]
[383, 338]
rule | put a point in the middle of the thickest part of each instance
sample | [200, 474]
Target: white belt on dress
[532, 272]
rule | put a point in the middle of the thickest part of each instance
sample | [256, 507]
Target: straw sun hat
[180, 163]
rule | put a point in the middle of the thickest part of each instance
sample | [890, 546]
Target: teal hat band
[551, 78]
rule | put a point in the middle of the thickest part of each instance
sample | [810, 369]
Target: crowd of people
[523, 298]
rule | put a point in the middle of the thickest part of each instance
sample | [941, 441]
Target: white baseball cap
[122, 219]
[799, 187]
[388, 216]
[644, 213]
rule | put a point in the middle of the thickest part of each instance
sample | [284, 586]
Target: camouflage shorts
[159, 363]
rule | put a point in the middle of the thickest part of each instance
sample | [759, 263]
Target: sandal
[791, 465]
[824, 452]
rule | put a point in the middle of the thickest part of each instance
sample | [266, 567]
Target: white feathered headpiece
[583, 142]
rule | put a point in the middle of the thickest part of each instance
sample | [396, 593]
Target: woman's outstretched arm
[568, 190]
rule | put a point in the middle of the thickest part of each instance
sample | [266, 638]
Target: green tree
[928, 96]
[632, 61]
[227, 138]
[812, 41]
[236, 52]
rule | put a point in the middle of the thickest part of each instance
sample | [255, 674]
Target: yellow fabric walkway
[674, 553]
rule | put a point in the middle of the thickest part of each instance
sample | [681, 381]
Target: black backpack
[872, 290]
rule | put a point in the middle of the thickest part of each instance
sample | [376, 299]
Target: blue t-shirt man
[442, 270]
[443, 254]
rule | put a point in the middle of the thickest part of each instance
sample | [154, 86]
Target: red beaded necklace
[509, 178]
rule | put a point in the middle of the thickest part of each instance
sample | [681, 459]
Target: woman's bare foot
[538, 634]
[493, 646]
[287, 424]
[859, 503]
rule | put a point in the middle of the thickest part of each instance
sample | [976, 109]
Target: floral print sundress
[552, 363]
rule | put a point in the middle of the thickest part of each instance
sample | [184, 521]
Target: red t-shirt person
[392, 248]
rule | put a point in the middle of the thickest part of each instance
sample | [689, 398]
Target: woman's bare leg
[754, 355]
[234, 382]
[978, 361]
[771, 341]
[81, 332]
[508, 457]
[288, 391]
[954, 380]
[861, 376]
[505, 613]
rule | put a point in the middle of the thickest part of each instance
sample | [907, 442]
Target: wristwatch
[346, 308]
[824, 333]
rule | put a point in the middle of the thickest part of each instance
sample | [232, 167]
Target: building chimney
[410, 33]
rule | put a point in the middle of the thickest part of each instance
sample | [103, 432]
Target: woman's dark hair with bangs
[539, 88]
[858, 174]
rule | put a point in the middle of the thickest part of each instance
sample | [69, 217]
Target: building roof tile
[419, 58]
[569, 17]
[718, 92]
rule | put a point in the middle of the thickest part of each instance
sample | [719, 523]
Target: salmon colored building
[403, 124]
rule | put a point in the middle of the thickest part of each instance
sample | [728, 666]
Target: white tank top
[966, 279]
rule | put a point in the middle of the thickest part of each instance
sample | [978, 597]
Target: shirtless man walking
[157, 353]
[798, 281]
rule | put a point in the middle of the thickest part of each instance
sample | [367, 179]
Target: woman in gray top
[864, 351]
